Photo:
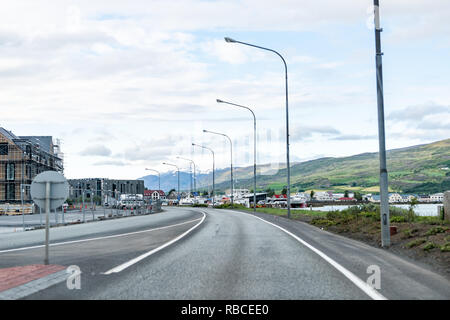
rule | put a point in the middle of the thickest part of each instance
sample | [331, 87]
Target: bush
[408, 233]
[323, 222]
[436, 230]
[415, 243]
[200, 205]
[445, 247]
[398, 219]
[429, 246]
[230, 206]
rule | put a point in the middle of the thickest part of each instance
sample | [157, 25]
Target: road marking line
[371, 292]
[100, 238]
[125, 265]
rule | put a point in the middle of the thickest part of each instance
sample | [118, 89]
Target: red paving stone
[16, 276]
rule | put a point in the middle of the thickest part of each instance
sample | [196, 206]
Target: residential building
[154, 195]
[323, 196]
[21, 159]
[437, 197]
[395, 197]
[102, 187]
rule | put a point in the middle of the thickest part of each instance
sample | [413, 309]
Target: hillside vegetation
[416, 169]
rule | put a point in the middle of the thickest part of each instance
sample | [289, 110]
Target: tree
[346, 194]
[358, 196]
[311, 194]
[411, 214]
[284, 191]
[270, 192]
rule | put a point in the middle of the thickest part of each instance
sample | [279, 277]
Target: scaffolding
[21, 159]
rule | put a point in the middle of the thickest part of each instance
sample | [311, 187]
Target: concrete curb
[34, 286]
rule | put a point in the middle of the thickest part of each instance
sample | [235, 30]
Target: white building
[323, 196]
[437, 197]
[395, 197]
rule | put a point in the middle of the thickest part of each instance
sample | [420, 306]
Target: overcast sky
[129, 84]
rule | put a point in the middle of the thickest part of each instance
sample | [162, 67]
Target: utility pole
[384, 195]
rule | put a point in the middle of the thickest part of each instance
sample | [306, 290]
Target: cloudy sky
[127, 85]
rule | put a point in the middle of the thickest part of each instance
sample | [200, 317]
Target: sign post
[49, 190]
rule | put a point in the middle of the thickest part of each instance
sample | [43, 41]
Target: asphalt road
[229, 255]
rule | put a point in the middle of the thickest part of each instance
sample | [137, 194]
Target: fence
[82, 205]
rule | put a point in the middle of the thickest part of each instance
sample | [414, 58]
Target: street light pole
[231, 149]
[178, 170]
[287, 117]
[193, 163]
[213, 187]
[384, 195]
[159, 177]
[254, 148]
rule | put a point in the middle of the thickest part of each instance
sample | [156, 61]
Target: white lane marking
[371, 292]
[125, 265]
[100, 238]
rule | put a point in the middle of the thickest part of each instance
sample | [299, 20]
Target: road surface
[219, 254]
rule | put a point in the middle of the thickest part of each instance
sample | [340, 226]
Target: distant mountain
[416, 169]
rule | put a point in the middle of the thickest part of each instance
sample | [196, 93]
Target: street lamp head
[219, 101]
[205, 130]
[229, 39]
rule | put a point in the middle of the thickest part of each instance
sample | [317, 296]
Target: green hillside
[416, 169]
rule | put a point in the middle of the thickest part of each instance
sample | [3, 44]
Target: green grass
[283, 212]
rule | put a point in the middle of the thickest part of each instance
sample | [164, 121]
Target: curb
[34, 286]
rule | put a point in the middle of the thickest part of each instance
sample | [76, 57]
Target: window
[3, 149]
[28, 171]
[10, 191]
[10, 174]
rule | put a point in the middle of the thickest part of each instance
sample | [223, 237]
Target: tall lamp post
[287, 117]
[212, 152]
[193, 163]
[159, 177]
[254, 148]
[231, 149]
[178, 169]
[384, 200]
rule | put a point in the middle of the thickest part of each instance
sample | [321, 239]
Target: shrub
[323, 222]
[200, 205]
[415, 243]
[445, 247]
[436, 230]
[230, 206]
[429, 246]
[408, 233]
[398, 219]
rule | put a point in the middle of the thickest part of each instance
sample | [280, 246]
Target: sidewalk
[18, 282]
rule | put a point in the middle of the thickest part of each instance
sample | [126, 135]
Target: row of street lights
[385, 236]
[229, 40]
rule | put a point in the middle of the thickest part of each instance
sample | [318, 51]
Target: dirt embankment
[428, 242]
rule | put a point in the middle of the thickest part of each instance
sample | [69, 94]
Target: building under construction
[21, 159]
